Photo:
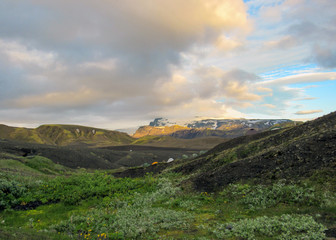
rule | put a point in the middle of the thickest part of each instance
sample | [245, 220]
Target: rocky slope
[292, 153]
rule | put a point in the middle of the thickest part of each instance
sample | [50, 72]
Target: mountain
[225, 128]
[157, 131]
[220, 124]
[73, 135]
[63, 135]
[297, 152]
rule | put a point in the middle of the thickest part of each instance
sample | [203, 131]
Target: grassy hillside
[20, 134]
[65, 135]
[71, 134]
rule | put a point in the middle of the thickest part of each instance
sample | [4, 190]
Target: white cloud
[20, 55]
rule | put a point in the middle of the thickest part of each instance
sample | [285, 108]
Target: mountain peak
[226, 128]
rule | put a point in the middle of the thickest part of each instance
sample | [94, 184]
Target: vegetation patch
[256, 197]
[278, 227]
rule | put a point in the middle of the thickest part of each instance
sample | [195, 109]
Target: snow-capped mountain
[220, 124]
[226, 128]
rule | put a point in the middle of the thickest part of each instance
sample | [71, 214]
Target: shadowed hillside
[292, 153]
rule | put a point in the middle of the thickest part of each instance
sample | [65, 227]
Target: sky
[117, 64]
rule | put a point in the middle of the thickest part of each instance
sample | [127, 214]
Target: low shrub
[261, 196]
[284, 227]
[133, 219]
[10, 193]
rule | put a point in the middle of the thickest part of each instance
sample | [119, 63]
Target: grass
[31, 164]
[78, 204]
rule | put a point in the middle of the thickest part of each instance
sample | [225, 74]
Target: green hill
[65, 135]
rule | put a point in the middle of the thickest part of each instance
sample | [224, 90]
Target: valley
[272, 184]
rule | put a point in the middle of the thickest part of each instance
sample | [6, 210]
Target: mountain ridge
[62, 135]
[226, 128]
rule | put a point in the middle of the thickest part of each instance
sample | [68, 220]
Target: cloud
[308, 98]
[107, 61]
[123, 26]
[20, 55]
[301, 78]
[325, 56]
[105, 65]
[285, 42]
[225, 43]
[173, 92]
[71, 99]
[269, 105]
[308, 112]
[234, 84]
[109, 57]
[315, 32]
[200, 107]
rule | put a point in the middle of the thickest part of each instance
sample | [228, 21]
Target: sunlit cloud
[269, 105]
[307, 112]
[302, 78]
[110, 62]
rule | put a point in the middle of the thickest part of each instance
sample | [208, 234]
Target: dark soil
[331, 232]
[141, 171]
[93, 158]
